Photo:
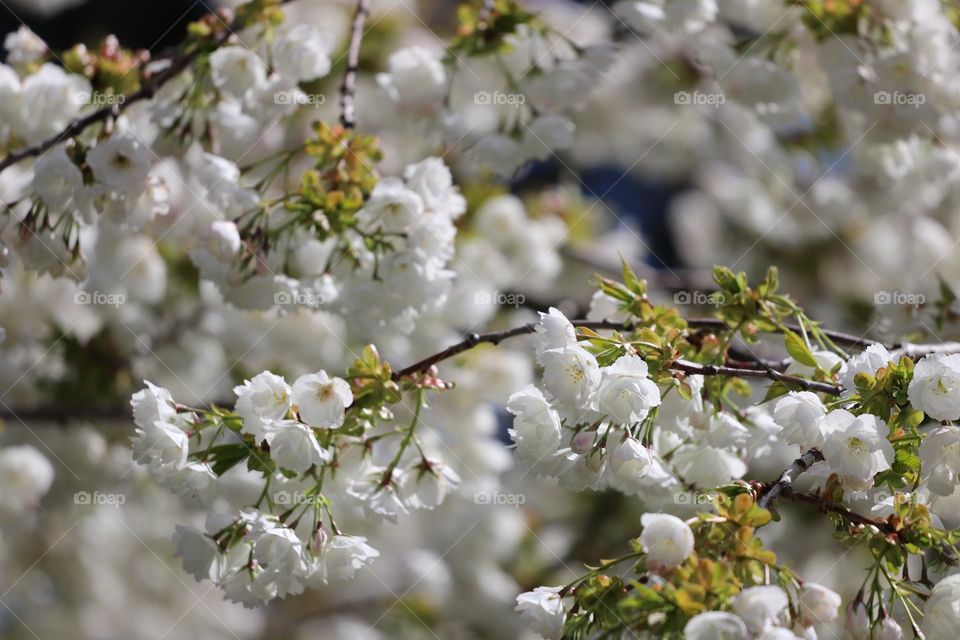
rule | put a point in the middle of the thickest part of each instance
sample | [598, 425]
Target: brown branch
[177, 65]
[348, 88]
[745, 358]
[837, 336]
[768, 373]
[473, 339]
[842, 511]
[496, 338]
[770, 494]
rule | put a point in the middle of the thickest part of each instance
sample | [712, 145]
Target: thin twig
[836, 336]
[785, 482]
[473, 339]
[148, 90]
[495, 338]
[348, 88]
[768, 373]
[832, 507]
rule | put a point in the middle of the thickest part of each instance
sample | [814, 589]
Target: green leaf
[630, 279]
[798, 349]
[726, 279]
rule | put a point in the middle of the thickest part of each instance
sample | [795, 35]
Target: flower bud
[857, 622]
[582, 442]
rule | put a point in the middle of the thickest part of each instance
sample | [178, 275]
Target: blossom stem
[408, 436]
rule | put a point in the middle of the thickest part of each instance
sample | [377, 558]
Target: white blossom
[626, 394]
[236, 70]
[856, 447]
[24, 47]
[935, 385]
[321, 400]
[628, 463]
[666, 539]
[199, 552]
[941, 613]
[345, 555]
[760, 607]
[163, 445]
[542, 609]
[870, 360]
[415, 79]
[799, 413]
[888, 629]
[572, 376]
[715, 625]
[262, 400]
[26, 476]
[294, 446]
[818, 604]
[301, 53]
[57, 179]
[152, 404]
[121, 163]
[536, 425]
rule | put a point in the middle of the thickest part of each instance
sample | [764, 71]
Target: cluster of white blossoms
[586, 425]
[420, 212]
[795, 128]
[257, 85]
[791, 128]
[311, 465]
[857, 448]
[26, 475]
[596, 427]
[415, 213]
[37, 102]
[757, 613]
[762, 613]
[86, 195]
[502, 110]
[126, 181]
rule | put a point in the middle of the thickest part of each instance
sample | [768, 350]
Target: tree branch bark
[348, 88]
[496, 338]
[785, 482]
[832, 507]
[145, 92]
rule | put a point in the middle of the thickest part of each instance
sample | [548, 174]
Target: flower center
[121, 161]
[325, 391]
[856, 445]
[576, 372]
